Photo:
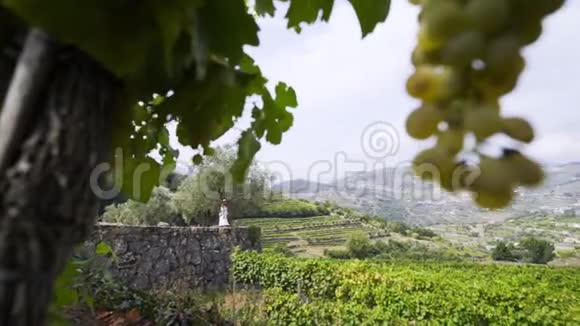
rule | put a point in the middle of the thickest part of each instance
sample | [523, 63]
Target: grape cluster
[469, 55]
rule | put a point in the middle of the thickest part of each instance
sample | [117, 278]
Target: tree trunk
[46, 203]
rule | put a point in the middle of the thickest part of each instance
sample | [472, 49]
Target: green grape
[494, 176]
[488, 16]
[519, 129]
[493, 200]
[422, 123]
[434, 83]
[451, 141]
[462, 49]
[443, 19]
[549, 6]
[454, 114]
[528, 33]
[464, 176]
[434, 164]
[426, 83]
[534, 10]
[495, 82]
[482, 121]
[427, 43]
[526, 171]
[468, 55]
[424, 57]
[197, 159]
[502, 54]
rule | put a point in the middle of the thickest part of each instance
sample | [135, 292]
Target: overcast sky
[345, 84]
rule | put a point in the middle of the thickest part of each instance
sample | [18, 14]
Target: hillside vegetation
[316, 236]
[321, 291]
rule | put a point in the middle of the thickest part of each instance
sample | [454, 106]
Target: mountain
[396, 193]
[299, 186]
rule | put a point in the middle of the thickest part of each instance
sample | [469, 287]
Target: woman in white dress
[223, 221]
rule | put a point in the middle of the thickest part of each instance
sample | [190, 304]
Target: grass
[306, 233]
[276, 223]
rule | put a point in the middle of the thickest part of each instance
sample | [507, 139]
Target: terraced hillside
[310, 235]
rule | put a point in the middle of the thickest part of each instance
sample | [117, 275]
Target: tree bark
[46, 202]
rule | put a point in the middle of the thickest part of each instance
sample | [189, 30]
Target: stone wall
[165, 257]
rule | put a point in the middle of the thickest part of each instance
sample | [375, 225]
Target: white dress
[224, 216]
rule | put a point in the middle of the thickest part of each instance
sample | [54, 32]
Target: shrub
[287, 208]
[399, 227]
[504, 252]
[282, 249]
[423, 232]
[337, 253]
[531, 250]
[538, 251]
[159, 208]
[359, 246]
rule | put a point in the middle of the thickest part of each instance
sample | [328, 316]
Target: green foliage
[73, 286]
[308, 12]
[370, 13]
[414, 251]
[159, 208]
[529, 250]
[200, 195]
[281, 249]
[285, 207]
[357, 292]
[194, 49]
[174, 306]
[424, 233]
[265, 7]
[359, 245]
[538, 251]
[337, 253]
[504, 252]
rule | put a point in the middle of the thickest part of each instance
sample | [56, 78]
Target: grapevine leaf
[206, 109]
[139, 177]
[200, 49]
[170, 19]
[197, 159]
[103, 249]
[285, 96]
[258, 84]
[301, 11]
[65, 294]
[274, 135]
[258, 124]
[163, 137]
[286, 121]
[265, 7]
[119, 35]
[370, 13]
[229, 27]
